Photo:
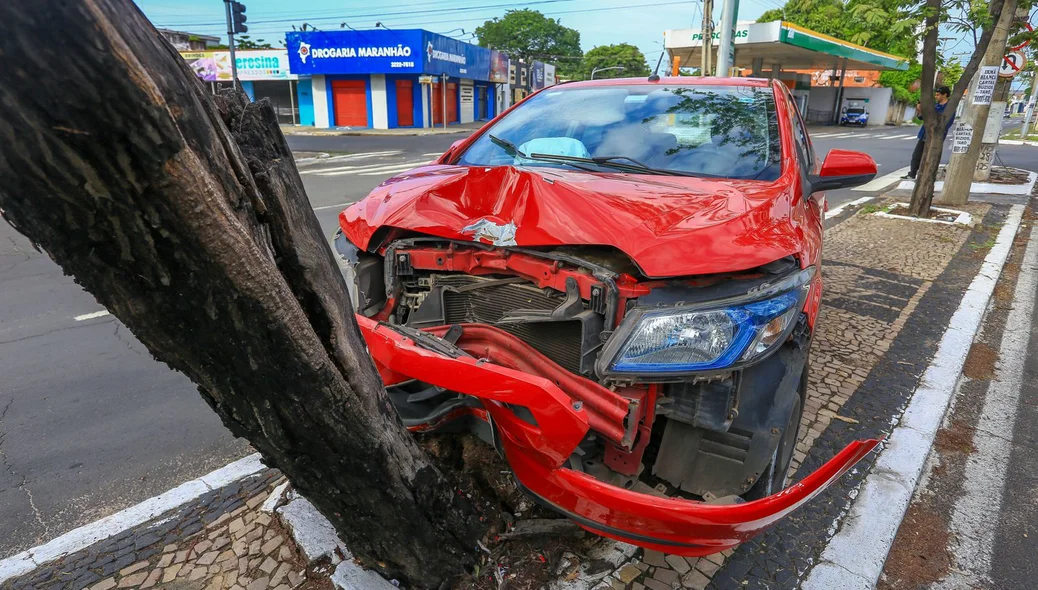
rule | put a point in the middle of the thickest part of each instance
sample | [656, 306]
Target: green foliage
[246, 42]
[527, 34]
[885, 25]
[621, 54]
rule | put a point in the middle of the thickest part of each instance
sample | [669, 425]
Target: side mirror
[843, 169]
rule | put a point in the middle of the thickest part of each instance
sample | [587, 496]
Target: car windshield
[855, 111]
[713, 131]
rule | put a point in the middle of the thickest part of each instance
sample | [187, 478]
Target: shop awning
[784, 45]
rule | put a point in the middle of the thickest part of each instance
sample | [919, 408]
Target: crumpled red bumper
[537, 452]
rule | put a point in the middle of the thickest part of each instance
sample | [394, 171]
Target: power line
[270, 31]
[379, 15]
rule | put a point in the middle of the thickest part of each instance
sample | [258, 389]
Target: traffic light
[238, 18]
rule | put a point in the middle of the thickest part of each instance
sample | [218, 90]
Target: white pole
[726, 47]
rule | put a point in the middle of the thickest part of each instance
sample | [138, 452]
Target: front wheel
[775, 474]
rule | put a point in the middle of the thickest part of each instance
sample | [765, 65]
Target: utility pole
[708, 37]
[235, 24]
[726, 50]
[962, 165]
[1029, 107]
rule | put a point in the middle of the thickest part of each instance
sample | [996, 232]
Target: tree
[528, 35]
[622, 54]
[933, 14]
[877, 24]
[246, 42]
[187, 219]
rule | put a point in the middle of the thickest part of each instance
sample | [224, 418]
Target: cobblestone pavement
[220, 541]
[877, 274]
[890, 289]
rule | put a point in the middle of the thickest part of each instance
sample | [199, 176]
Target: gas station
[783, 51]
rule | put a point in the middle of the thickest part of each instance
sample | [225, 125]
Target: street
[91, 424]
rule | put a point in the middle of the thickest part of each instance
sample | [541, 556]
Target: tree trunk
[189, 222]
[922, 194]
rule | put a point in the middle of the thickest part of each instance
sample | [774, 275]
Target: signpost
[987, 77]
[1012, 63]
[962, 138]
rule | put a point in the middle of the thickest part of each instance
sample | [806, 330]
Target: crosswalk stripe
[341, 170]
[391, 171]
[431, 154]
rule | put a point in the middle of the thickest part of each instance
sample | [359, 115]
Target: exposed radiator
[560, 341]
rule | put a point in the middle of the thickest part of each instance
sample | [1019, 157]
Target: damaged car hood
[669, 226]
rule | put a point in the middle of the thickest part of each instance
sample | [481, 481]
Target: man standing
[941, 96]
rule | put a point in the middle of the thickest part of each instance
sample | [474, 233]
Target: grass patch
[870, 208]
[985, 245]
[1015, 134]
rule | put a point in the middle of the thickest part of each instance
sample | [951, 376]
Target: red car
[615, 283]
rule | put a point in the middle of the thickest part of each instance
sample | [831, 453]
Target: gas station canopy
[782, 46]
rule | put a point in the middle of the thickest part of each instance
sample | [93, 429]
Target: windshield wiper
[515, 152]
[631, 165]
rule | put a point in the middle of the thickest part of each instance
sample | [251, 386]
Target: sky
[600, 22]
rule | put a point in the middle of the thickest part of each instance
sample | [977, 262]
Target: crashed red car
[615, 283]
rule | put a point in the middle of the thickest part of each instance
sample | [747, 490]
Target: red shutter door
[452, 103]
[437, 103]
[351, 103]
[405, 103]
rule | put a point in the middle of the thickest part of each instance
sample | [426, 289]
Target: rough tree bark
[934, 13]
[188, 220]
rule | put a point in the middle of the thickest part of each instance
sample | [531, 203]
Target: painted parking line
[975, 517]
[878, 184]
[90, 316]
[854, 557]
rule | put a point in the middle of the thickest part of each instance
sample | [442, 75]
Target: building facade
[184, 41]
[385, 79]
[263, 73]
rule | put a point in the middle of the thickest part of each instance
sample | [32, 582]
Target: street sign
[985, 85]
[962, 138]
[1025, 43]
[1012, 63]
[425, 79]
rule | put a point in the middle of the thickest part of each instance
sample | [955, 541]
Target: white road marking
[339, 206]
[90, 316]
[834, 212]
[855, 556]
[87, 535]
[431, 154]
[975, 516]
[346, 170]
[392, 171]
[878, 184]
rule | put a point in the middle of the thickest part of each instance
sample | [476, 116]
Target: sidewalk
[973, 522]
[466, 128]
[891, 288]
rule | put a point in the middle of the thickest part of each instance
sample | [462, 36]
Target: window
[715, 131]
[511, 74]
[522, 75]
[859, 79]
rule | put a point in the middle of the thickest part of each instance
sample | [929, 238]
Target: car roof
[673, 81]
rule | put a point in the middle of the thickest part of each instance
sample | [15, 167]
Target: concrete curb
[855, 203]
[983, 187]
[316, 539]
[88, 534]
[854, 557]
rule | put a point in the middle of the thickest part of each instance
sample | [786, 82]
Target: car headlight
[707, 337]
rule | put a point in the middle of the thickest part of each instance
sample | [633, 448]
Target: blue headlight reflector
[686, 340]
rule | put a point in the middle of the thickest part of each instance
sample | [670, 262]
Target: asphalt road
[90, 424]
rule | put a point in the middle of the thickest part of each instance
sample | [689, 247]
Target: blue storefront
[394, 78]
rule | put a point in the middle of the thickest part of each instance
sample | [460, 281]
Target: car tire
[775, 474]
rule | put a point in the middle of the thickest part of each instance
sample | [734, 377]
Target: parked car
[855, 116]
[616, 284]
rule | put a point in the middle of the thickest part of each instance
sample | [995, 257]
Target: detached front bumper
[503, 372]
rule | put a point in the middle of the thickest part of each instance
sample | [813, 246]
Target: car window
[855, 111]
[805, 151]
[716, 131]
